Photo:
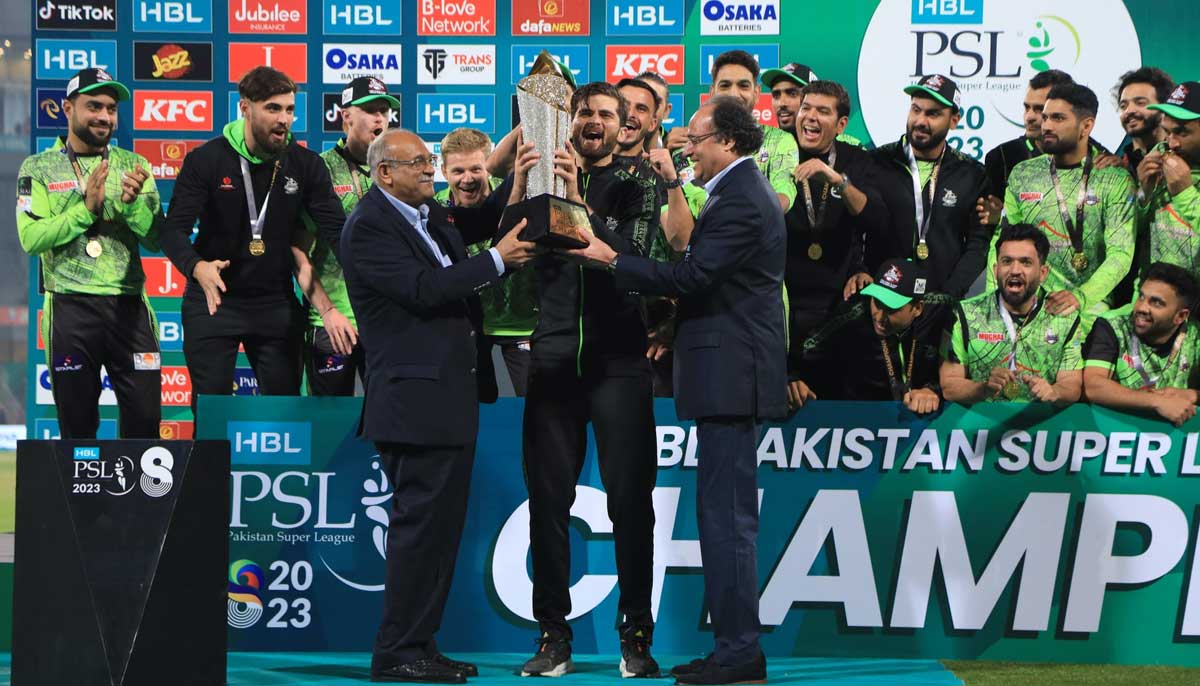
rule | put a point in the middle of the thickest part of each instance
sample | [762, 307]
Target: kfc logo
[173, 110]
[551, 17]
[627, 61]
[165, 157]
[289, 58]
[272, 16]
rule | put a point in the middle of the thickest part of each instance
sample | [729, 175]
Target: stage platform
[499, 669]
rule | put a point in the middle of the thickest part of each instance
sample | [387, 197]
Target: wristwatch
[674, 184]
[841, 187]
[612, 266]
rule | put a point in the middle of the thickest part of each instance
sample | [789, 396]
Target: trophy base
[552, 221]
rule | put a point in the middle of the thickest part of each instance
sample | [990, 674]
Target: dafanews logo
[456, 17]
[86, 15]
[155, 61]
[456, 64]
[739, 18]
[173, 16]
[58, 60]
[551, 17]
[991, 49]
[361, 18]
[166, 160]
[268, 16]
[343, 62]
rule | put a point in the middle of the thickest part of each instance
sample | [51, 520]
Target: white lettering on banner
[265, 485]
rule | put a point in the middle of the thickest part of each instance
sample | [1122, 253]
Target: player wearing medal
[1169, 177]
[1136, 94]
[510, 307]
[884, 344]
[1005, 344]
[247, 189]
[84, 207]
[1087, 213]
[1141, 357]
[826, 224]
[930, 191]
[333, 356]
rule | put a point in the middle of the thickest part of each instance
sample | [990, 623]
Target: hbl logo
[442, 113]
[60, 59]
[270, 442]
[633, 18]
[174, 16]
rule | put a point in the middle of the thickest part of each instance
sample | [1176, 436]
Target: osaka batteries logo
[245, 606]
[991, 49]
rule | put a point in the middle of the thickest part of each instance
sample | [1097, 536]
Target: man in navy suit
[730, 366]
[414, 291]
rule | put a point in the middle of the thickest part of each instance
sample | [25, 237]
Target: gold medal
[1079, 261]
[922, 250]
[257, 247]
[94, 249]
[815, 251]
[1012, 390]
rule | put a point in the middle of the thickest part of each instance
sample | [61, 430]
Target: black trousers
[117, 332]
[429, 506]
[330, 373]
[517, 359]
[271, 330]
[727, 509]
[557, 411]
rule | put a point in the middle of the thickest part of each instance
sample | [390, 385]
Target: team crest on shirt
[1091, 198]
[226, 184]
[611, 223]
[990, 337]
[1029, 196]
[1051, 337]
[763, 156]
[949, 199]
[290, 186]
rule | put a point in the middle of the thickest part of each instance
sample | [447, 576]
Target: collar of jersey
[235, 133]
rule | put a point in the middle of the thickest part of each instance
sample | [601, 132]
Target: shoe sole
[626, 674]
[559, 670]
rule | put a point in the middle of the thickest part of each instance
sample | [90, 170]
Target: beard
[262, 137]
[84, 133]
[1018, 299]
[1146, 125]
[935, 139]
[583, 144]
[1059, 145]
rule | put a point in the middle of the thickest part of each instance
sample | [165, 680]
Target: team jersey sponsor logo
[1030, 196]
[990, 337]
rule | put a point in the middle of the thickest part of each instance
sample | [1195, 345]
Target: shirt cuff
[497, 261]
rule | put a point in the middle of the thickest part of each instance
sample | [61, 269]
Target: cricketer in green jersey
[85, 208]
[1005, 344]
[1169, 180]
[510, 308]
[1144, 356]
[332, 356]
[1087, 213]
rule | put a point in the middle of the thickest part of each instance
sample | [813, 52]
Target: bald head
[389, 156]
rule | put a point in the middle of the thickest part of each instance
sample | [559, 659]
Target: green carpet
[346, 669]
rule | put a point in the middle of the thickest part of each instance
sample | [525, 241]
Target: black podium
[120, 563]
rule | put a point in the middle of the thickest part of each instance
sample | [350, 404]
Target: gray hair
[378, 151]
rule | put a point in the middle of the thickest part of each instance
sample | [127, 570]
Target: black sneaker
[635, 654]
[715, 674]
[553, 658]
[464, 668]
[690, 667]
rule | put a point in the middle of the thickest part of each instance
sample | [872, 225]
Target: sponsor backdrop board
[455, 62]
[1008, 532]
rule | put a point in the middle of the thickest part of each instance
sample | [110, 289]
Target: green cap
[88, 80]
[364, 89]
[799, 74]
[940, 88]
[898, 283]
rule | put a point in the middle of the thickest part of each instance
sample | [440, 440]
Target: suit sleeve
[975, 251]
[187, 203]
[730, 239]
[391, 267]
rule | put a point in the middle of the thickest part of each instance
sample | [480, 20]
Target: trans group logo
[245, 606]
[991, 49]
[456, 64]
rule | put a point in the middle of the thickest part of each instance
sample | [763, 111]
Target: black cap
[364, 89]
[793, 71]
[940, 88]
[898, 283]
[1184, 103]
[88, 80]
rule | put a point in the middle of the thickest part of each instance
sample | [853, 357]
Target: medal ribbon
[817, 216]
[898, 384]
[1135, 352]
[923, 217]
[1014, 331]
[256, 218]
[1074, 229]
[352, 166]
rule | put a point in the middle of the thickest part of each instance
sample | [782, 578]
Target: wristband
[674, 184]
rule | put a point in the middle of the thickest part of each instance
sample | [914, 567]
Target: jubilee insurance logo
[991, 49]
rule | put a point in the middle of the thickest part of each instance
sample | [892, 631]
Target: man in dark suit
[730, 366]
[414, 291]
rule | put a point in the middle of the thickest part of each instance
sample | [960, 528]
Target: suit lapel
[406, 230]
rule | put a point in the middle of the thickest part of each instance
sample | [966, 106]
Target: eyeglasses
[695, 140]
[415, 163]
